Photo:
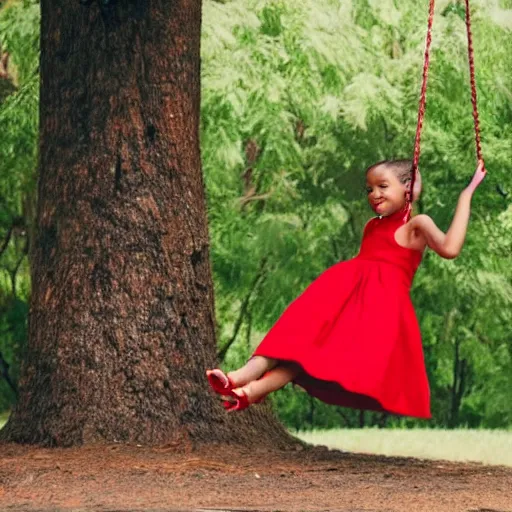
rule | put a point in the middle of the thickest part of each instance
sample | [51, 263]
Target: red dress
[354, 332]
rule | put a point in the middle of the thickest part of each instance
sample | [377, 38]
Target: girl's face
[386, 194]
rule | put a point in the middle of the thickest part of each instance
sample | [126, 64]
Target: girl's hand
[478, 176]
[417, 186]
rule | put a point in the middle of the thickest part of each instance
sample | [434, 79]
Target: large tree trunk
[121, 325]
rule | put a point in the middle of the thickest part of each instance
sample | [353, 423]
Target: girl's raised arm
[448, 245]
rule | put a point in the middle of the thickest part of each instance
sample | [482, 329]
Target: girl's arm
[448, 245]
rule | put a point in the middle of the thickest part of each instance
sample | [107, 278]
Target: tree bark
[121, 324]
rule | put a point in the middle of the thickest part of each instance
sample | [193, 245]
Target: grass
[492, 447]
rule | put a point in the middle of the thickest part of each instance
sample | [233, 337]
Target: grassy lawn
[486, 446]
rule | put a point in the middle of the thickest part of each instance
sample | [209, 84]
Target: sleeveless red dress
[354, 332]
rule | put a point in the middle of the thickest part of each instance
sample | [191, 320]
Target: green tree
[297, 101]
[19, 80]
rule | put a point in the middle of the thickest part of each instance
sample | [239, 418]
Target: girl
[352, 338]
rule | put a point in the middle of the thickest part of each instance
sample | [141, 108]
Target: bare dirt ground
[119, 478]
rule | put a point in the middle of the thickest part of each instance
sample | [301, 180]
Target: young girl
[352, 338]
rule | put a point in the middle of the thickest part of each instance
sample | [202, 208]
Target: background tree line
[297, 100]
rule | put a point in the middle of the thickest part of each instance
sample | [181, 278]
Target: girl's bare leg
[252, 370]
[274, 380]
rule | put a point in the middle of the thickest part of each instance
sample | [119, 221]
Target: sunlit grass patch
[485, 446]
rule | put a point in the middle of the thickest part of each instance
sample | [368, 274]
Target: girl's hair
[402, 169]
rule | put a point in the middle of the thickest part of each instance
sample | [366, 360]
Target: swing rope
[423, 94]
[471, 61]
[423, 97]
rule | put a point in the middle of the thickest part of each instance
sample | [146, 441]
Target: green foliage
[322, 90]
[19, 35]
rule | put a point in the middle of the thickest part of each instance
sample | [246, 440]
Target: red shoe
[241, 402]
[220, 382]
